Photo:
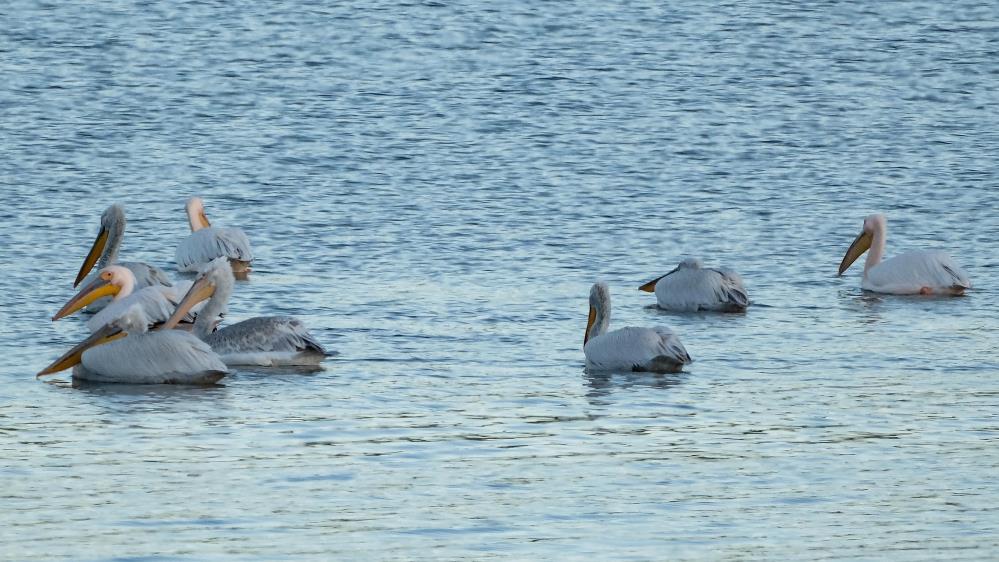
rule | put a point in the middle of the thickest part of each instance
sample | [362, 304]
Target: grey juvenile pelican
[263, 340]
[124, 352]
[911, 273]
[104, 252]
[207, 242]
[157, 302]
[691, 287]
[628, 349]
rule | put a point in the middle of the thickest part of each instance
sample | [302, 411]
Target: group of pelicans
[691, 287]
[148, 330]
[154, 331]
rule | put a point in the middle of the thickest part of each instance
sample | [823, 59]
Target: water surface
[433, 188]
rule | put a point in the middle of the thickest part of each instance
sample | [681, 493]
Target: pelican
[628, 349]
[157, 302]
[690, 288]
[264, 340]
[125, 352]
[924, 272]
[207, 242]
[104, 252]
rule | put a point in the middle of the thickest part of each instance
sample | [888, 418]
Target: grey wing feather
[264, 334]
[732, 289]
[207, 244]
[146, 275]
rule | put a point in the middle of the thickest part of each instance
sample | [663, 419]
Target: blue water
[432, 188]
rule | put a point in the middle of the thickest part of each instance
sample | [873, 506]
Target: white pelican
[690, 288]
[912, 273]
[158, 357]
[104, 252]
[157, 302]
[264, 340]
[207, 242]
[628, 349]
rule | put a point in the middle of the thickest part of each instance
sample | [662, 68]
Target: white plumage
[919, 272]
[157, 302]
[628, 349]
[207, 242]
[161, 357]
[141, 357]
[690, 288]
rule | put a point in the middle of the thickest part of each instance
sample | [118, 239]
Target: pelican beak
[201, 290]
[95, 252]
[74, 356]
[204, 220]
[650, 287]
[92, 291]
[859, 246]
[589, 324]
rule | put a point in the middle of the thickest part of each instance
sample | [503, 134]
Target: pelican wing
[636, 349]
[913, 272]
[147, 275]
[165, 357]
[693, 289]
[204, 245]
[267, 340]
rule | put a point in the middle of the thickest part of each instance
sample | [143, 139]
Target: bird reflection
[603, 383]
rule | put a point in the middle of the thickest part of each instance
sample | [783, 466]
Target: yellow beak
[95, 252]
[92, 291]
[650, 287]
[860, 245]
[202, 289]
[589, 324]
[75, 355]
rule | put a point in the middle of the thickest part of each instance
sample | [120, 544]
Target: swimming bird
[157, 302]
[104, 252]
[628, 349]
[207, 242]
[125, 352]
[691, 287]
[925, 272]
[263, 340]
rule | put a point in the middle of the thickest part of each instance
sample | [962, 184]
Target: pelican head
[113, 281]
[599, 311]
[874, 225]
[214, 280]
[133, 321]
[196, 214]
[112, 228]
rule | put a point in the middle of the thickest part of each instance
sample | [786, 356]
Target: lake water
[433, 187]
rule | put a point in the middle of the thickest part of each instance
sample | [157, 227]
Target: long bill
[89, 293]
[860, 245]
[650, 287]
[202, 289]
[74, 356]
[589, 324]
[95, 252]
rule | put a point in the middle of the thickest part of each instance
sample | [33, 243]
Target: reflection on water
[602, 384]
